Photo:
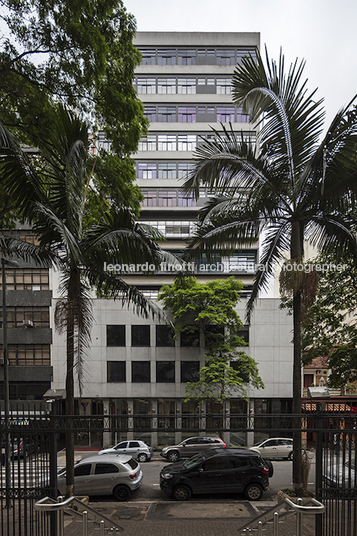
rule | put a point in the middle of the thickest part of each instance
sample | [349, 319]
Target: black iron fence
[31, 437]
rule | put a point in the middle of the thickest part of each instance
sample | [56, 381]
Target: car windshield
[194, 460]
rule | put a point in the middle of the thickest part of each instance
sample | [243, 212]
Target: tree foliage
[210, 308]
[329, 327]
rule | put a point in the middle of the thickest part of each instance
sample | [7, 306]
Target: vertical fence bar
[318, 464]
[276, 524]
[85, 523]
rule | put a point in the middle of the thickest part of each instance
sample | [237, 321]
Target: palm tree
[81, 253]
[287, 187]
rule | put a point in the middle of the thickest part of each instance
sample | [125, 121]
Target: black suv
[217, 471]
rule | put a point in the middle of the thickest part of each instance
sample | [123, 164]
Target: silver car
[136, 449]
[276, 447]
[191, 446]
[106, 475]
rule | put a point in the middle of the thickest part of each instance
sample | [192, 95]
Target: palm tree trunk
[296, 251]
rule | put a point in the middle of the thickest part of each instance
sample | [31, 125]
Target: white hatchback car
[136, 449]
[277, 447]
[106, 475]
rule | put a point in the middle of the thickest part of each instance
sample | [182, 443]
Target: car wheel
[142, 457]
[270, 467]
[291, 456]
[253, 492]
[122, 493]
[181, 493]
[173, 456]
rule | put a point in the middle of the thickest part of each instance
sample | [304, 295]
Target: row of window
[24, 235]
[28, 354]
[27, 316]
[194, 56]
[140, 335]
[167, 198]
[26, 279]
[193, 114]
[183, 86]
[165, 371]
[174, 229]
[163, 170]
[181, 142]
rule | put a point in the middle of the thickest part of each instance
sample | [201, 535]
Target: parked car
[341, 475]
[277, 447]
[136, 449]
[191, 446]
[217, 471]
[105, 475]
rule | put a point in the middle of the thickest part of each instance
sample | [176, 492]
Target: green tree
[80, 252]
[209, 308]
[288, 187]
[80, 54]
[327, 329]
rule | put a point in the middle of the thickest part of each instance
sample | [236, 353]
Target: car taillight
[265, 471]
[224, 445]
[133, 477]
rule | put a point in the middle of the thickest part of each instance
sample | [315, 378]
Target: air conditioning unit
[27, 323]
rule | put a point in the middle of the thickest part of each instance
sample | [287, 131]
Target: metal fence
[31, 437]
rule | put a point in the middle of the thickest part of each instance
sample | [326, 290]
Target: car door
[133, 448]
[285, 446]
[240, 472]
[104, 478]
[83, 479]
[121, 447]
[191, 446]
[269, 448]
[211, 476]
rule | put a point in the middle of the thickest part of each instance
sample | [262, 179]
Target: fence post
[318, 461]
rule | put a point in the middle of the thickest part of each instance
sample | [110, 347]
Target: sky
[322, 32]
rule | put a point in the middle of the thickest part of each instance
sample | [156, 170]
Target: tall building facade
[134, 367]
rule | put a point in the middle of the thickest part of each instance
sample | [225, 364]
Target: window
[186, 86]
[167, 170]
[140, 335]
[116, 335]
[150, 198]
[185, 201]
[149, 57]
[241, 117]
[28, 354]
[186, 57]
[166, 56]
[191, 338]
[165, 371]
[166, 114]
[164, 336]
[147, 170]
[116, 371]
[240, 367]
[147, 143]
[223, 86]
[166, 85]
[27, 316]
[186, 142]
[26, 279]
[215, 464]
[167, 198]
[82, 470]
[189, 371]
[146, 85]
[105, 468]
[183, 169]
[225, 114]
[215, 333]
[226, 57]
[166, 142]
[186, 114]
[150, 113]
[140, 371]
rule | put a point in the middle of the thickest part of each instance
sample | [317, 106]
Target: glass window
[28, 354]
[164, 336]
[134, 445]
[150, 198]
[149, 56]
[166, 56]
[140, 335]
[223, 86]
[166, 114]
[189, 371]
[225, 114]
[82, 470]
[167, 170]
[116, 371]
[147, 170]
[140, 372]
[27, 316]
[116, 335]
[191, 338]
[215, 333]
[186, 142]
[166, 85]
[241, 369]
[186, 86]
[241, 117]
[186, 57]
[150, 113]
[105, 468]
[146, 85]
[186, 114]
[183, 169]
[165, 371]
[166, 142]
[147, 143]
[185, 201]
[226, 57]
[167, 198]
